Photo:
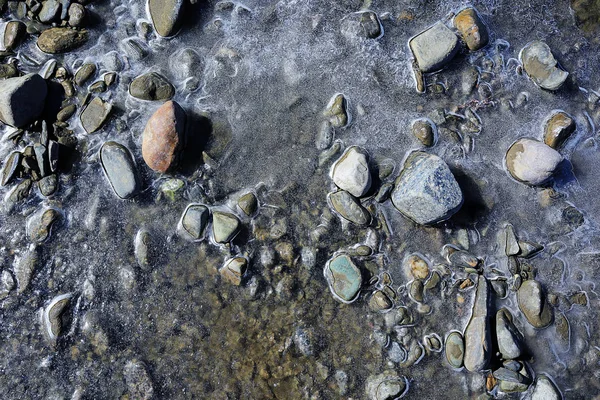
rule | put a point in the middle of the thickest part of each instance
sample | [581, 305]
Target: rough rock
[434, 47]
[61, 40]
[22, 99]
[478, 338]
[471, 28]
[163, 138]
[426, 191]
[424, 130]
[544, 389]
[194, 221]
[532, 162]
[233, 270]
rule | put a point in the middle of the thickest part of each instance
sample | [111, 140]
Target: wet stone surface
[257, 250]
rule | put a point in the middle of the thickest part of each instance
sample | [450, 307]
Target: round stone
[532, 302]
[120, 169]
[344, 278]
[455, 349]
[532, 162]
[151, 86]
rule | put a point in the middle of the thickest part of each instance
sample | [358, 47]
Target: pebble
[85, 72]
[163, 137]
[349, 208]
[7, 284]
[558, 128]
[532, 302]
[10, 168]
[455, 349]
[529, 249]
[386, 386]
[22, 99]
[14, 32]
[24, 268]
[370, 24]
[141, 248]
[185, 63]
[351, 172]
[478, 339]
[50, 11]
[511, 247]
[337, 111]
[426, 190]
[194, 221]
[471, 28]
[167, 16]
[544, 389]
[40, 224]
[120, 169]
[418, 267]
[225, 226]
[434, 47]
[139, 384]
[95, 114]
[344, 278]
[380, 302]
[424, 130]
[66, 112]
[61, 40]
[52, 317]
[508, 336]
[233, 270]
[541, 66]
[532, 162]
[76, 14]
[151, 86]
[248, 203]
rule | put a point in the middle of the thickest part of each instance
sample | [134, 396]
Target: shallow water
[264, 77]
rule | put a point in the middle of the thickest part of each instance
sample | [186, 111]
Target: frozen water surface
[255, 78]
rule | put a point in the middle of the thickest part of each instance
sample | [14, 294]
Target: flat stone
[532, 302]
[95, 114]
[478, 338]
[351, 172]
[426, 191]
[194, 221]
[85, 72]
[532, 162]
[24, 267]
[349, 208]
[10, 167]
[120, 169]
[233, 270]
[455, 349]
[541, 66]
[225, 226]
[544, 389]
[509, 338]
[344, 278]
[166, 15]
[434, 47]
[337, 111]
[163, 138]
[61, 40]
[22, 99]
[151, 86]
[558, 128]
[471, 28]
